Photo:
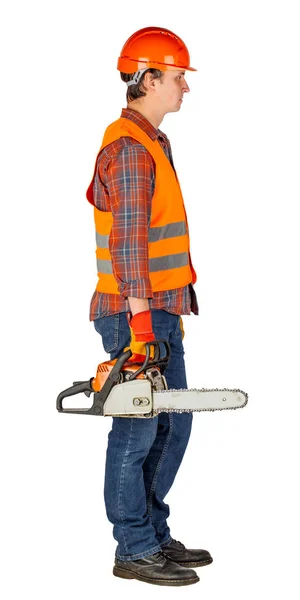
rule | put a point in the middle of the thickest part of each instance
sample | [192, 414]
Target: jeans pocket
[178, 330]
[108, 327]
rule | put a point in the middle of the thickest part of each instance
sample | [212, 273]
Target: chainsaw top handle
[157, 360]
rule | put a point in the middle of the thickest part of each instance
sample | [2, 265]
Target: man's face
[171, 89]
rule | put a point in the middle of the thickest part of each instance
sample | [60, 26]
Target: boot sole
[126, 574]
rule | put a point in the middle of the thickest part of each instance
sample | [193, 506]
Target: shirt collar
[144, 124]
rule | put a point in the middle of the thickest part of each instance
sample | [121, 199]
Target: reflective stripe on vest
[155, 264]
[102, 240]
[167, 231]
[155, 233]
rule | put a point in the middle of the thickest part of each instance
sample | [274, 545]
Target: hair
[138, 90]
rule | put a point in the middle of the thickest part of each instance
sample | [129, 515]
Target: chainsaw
[125, 389]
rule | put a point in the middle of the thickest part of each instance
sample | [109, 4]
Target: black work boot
[177, 552]
[157, 569]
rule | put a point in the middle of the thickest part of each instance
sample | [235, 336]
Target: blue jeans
[144, 455]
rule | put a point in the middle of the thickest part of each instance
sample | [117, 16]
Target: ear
[149, 82]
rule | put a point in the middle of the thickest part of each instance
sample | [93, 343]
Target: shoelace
[179, 544]
[165, 550]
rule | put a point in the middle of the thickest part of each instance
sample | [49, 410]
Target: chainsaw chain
[156, 411]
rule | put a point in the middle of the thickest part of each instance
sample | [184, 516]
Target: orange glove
[141, 332]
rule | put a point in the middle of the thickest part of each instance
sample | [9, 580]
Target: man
[145, 284]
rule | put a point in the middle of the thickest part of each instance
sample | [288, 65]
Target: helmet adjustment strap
[136, 77]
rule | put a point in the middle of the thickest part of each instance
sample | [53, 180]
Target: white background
[236, 150]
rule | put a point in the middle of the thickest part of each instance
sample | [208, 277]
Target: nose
[185, 87]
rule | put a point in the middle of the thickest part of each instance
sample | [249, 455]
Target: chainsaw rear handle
[113, 378]
[76, 388]
[86, 387]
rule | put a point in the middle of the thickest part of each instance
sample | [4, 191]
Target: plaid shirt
[124, 184]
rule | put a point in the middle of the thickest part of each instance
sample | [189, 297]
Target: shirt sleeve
[130, 183]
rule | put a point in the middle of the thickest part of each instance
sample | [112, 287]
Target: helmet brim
[131, 65]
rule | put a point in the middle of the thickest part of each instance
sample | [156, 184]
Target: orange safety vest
[170, 265]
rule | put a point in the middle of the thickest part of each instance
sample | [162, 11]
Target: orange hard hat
[154, 48]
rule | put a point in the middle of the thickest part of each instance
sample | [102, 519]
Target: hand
[141, 332]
